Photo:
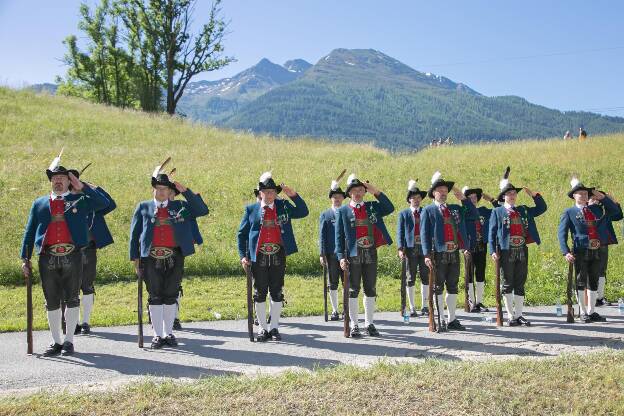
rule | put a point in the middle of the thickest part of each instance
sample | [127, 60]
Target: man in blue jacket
[512, 228]
[478, 236]
[161, 236]
[99, 237]
[265, 239]
[57, 231]
[443, 235]
[327, 245]
[587, 224]
[604, 249]
[410, 248]
[360, 230]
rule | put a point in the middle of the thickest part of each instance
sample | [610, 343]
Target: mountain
[46, 87]
[366, 96]
[212, 101]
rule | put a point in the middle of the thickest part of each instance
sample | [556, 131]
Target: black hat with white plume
[576, 185]
[161, 178]
[266, 182]
[466, 190]
[334, 188]
[505, 186]
[55, 167]
[412, 189]
[437, 180]
[353, 182]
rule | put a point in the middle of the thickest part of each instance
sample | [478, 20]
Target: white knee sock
[509, 298]
[440, 306]
[591, 299]
[169, 313]
[71, 320]
[580, 297]
[353, 312]
[411, 292]
[601, 286]
[87, 307]
[54, 322]
[369, 310]
[451, 304]
[471, 296]
[261, 315]
[424, 295]
[333, 298]
[156, 314]
[518, 305]
[276, 311]
[480, 290]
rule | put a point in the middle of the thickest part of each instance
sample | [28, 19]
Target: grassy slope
[518, 387]
[224, 167]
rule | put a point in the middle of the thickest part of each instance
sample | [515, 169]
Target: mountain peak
[297, 65]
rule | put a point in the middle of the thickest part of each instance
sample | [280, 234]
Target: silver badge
[153, 220]
[75, 210]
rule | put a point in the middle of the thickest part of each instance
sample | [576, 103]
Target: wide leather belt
[161, 253]
[364, 242]
[450, 246]
[62, 249]
[594, 244]
[269, 248]
[417, 239]
[517, 241]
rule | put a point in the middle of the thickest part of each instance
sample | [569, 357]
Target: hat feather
[464, 189]
[574, 181]
[505, 181]
[351, 179]
[160, 167]
[57, 161]
[334, 185]
[85, 168]
[411, 185]
[265, 177]
[437, 175]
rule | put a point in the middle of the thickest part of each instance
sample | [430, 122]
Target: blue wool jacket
[40, 217]
[405, 228]
[484, 218]
[249, 229]
[573, 222]
[499, 223]
[432, 225]
[97, 224]
[182, 215]
[327, 232]
[345, 236]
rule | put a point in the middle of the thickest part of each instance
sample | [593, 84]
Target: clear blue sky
[571, 52]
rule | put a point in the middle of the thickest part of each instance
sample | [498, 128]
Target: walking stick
[403, 284]
[570, 316]
[499, 309]
[139, 273]
[467, 281]
[250, 321]
[63, 323]
[29, 308]
[432, 280]
[325, 283]
[345, 301]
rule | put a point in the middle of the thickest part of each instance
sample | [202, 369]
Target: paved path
[110, 356]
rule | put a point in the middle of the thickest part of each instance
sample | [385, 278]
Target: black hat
[159, 178]
[436, 180]
[353, 182]
[266, 182]
[256, 192]
[505, 186]
[412, 190]
[469, 191]
[55, 167]
[576, 185]
[335, 189]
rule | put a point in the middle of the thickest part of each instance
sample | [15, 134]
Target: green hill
[223, 166]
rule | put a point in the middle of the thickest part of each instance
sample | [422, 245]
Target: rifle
[432, 294]
[139, 273]
[499, 309]
[325, 283]
[29, 308]
[570, 289]
[63, 323]
[250, 321]
[345, 302]
[468, 275]
[403, 283]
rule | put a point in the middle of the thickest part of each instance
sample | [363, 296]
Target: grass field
[568, 385]
[224, 167]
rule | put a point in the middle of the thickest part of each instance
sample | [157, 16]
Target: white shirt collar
[415, 209]
[580, 206]
[354, 204]
[263, 204]
[508, 206]
[439, 204]
[162, 204]
[63, 195]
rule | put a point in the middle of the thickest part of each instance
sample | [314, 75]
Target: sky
[561, 54]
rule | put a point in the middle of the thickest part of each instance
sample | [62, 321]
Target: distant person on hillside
[582, 134]
[567, 135]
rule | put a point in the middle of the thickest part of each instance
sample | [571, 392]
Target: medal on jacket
[75, 210]
[153, 220]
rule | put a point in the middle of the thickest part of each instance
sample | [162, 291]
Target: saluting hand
[290, 193]
[75, 183]
[371, 188]
[597, 195]
[458, 193]
[529, 192]
[181, 188]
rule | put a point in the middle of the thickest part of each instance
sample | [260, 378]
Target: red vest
[270, 231]
[450, 228]
[590, 220]
[416, 226]
[58, 231]
[163, 230]
[361, 226]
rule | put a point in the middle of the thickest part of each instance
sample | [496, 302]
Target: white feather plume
[575, 181]
[159, 168]
[265, 177]
[503, 183]
[464, 189]
[350, 179]
[57, 161]
[411, 185]
[334, 185]
[437, 175]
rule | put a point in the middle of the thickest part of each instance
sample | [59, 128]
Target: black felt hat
[506, 186]
[437, 180]
[469, 191]
[266, 182]
[412, 189]
[576, 185]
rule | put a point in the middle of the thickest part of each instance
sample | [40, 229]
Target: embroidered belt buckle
[57, 218]
[62, 249]
[160, 253]
[417, 239]
[364, 242]
[594, 244]
[517, 241]
[450, 246]
[269, 248]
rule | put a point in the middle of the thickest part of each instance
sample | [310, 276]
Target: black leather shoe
[586, 318]
[482, 307]
[372, 331]
[523, 321]
[424, 311]
[177, 325]
[334, 316]
[157, 343]
[513, 322]
[52, 350]
[263, 336]
[595, 317]
[171, 340]
[68, 348]
[77, 330]
[355, 332]
[413, 313]
[455, 326]
[474, 308]
[275, 335]
[85, 328]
